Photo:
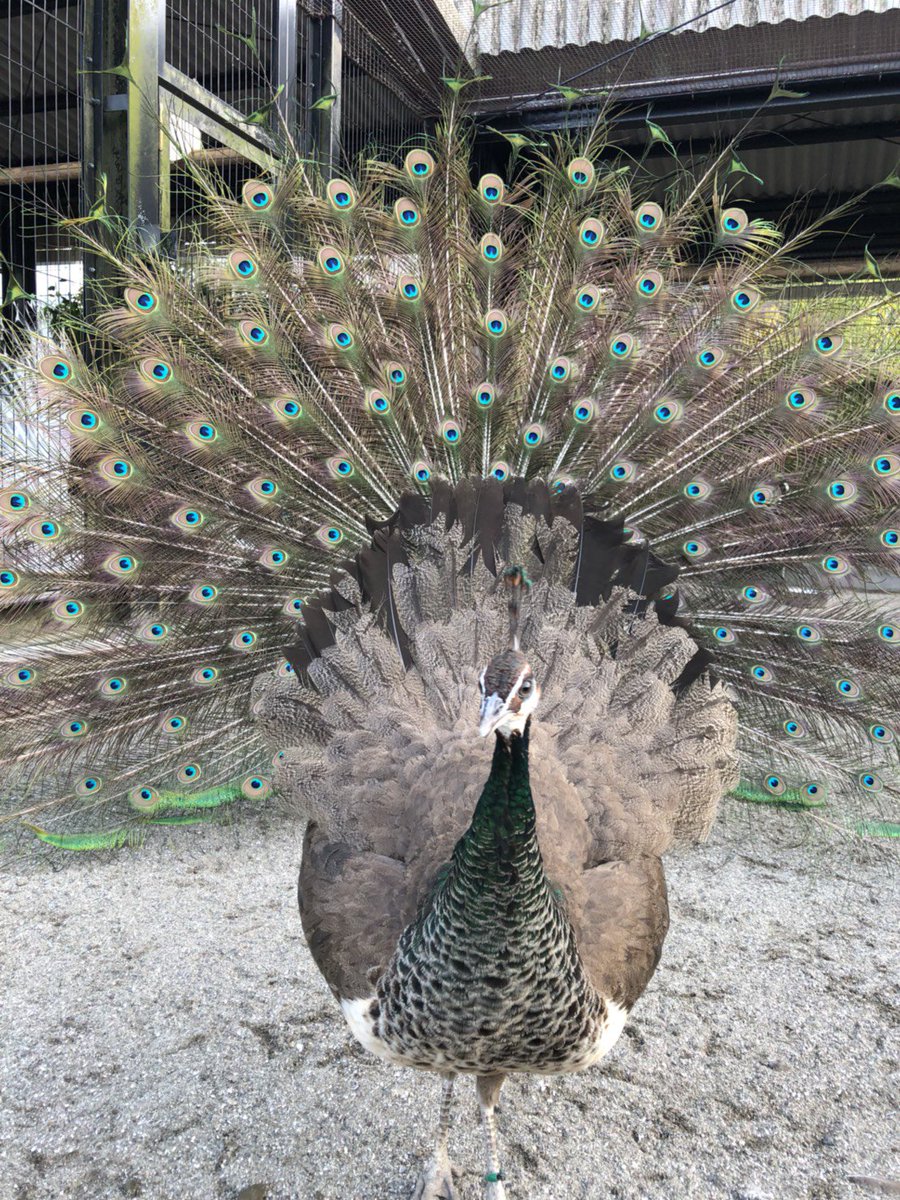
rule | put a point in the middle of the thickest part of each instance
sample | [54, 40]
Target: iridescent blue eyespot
[834, 564]
[848, 689]
[889, 633]
[886, 464]
[891, 537]
[8, 579]
[723, 634]
[881, 733]
[808, 633]
[892, 403]
[160, 371]
[824, 344]
[204, 593]
[590, 232]
[245, 266]
[870, 781]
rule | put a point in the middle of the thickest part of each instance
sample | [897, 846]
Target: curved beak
[492, 710]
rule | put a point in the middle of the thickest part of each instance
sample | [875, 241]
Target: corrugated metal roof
[532, 24]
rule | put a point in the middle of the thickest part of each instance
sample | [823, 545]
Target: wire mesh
[40, 152]
[224, 45]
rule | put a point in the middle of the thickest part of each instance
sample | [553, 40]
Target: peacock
[497, 526]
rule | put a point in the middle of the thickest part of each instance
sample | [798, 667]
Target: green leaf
[658, 134]
[479, 8]
[456, 84]
[738, 168]
[569, 93]
[871, 263]
[15, 292]
[122, 71]
[779, 91]
[645, 31]
[518, 141]
[324, 103]
[250, 42]
[262, 114]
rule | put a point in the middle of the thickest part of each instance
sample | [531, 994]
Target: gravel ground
[165, 1035]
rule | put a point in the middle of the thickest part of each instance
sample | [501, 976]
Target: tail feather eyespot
[257, 195]
[591, 233]
[733, 221]
[56, 368]
[491, 248]
[491, 188]
[581, 173]
[407, 213]
[419, 165]
[142, 301]
[331, 261]
[256, 787]
[341, 195]
[495, 322]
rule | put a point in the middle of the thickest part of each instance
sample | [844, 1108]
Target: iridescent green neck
[501, 838]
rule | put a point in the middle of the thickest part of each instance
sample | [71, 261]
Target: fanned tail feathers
[259, 408]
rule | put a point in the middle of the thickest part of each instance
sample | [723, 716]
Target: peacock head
[509, 690]
[509, 694]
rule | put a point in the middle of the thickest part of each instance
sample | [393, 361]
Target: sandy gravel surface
[164, 1034]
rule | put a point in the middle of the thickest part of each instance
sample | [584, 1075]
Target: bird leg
[435, 1180]
[488, 1088]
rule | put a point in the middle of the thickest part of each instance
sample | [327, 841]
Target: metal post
[327, 68]
[146, 56]
[104, 128]
[285, 67]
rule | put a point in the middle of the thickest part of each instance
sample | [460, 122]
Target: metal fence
[71, 127]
